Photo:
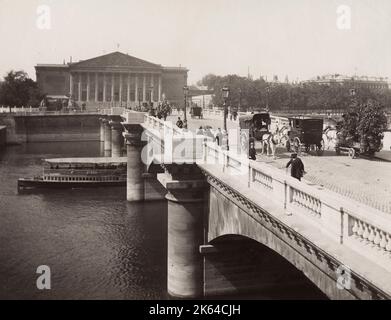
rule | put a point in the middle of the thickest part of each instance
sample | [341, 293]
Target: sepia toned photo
[175, 150]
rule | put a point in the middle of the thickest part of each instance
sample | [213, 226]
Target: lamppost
[267, 99]
[185, 93]
[240, 100]
[225, 91]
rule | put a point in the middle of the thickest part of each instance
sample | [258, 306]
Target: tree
[19, 90]
[364, 123]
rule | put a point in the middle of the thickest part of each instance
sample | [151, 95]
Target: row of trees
[257, 94]
[19, 90]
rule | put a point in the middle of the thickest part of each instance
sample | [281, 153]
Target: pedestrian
[219, 137]
[185, 124]
[297, 167]
[179, 123]
[252, 152]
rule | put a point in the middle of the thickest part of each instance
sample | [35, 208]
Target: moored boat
[78, 173]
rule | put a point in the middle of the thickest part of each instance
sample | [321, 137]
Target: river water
[97, 245]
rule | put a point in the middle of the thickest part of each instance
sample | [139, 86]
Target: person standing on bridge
[179, 123]
[297, 167]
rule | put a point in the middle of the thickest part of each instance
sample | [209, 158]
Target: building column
[79, 87]
[120, 89]
[107, 142]
[71, 85]
[128, 91]
[152, 86]
[135, 166]
[186, 196]
[116, 139]
[88, 87]
[104, 87]
[96, 86]
[136, 89]
[160, 88]
[144, 88]
[112, 87]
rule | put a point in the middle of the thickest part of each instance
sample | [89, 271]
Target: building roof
[115, 59]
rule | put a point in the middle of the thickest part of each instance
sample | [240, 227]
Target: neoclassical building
[114, 79]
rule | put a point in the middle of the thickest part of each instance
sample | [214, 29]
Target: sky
[297, 38]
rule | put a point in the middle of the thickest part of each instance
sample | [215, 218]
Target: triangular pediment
[115, 60]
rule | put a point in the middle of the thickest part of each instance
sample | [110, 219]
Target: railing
[39, 112]
[361, 228]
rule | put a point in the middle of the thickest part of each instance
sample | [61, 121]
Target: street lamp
[185, 93]
[225, 91]
[240, 100]
[267, 99]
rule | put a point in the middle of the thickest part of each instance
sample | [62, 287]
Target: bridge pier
[186, 204]
[116, 138]
[135, 166]
[101, 130]
[107, 138]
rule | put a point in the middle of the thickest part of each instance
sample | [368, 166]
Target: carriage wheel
[296, 145]
[351, 153]
[288, 146]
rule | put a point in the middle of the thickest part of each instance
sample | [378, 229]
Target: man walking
[297, 166]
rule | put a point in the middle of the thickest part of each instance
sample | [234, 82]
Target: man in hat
[297, 166]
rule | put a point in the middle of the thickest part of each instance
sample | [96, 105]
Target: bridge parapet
[341, 231]
[356, 226]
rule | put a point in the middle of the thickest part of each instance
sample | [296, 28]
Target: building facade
[352, 81]
[114, 79]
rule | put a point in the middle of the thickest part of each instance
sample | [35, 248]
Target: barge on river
[78, 173]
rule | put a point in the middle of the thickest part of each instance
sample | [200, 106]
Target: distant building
[113, 79]
[353, 81]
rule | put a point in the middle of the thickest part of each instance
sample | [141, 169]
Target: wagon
[305, 133]
[196, 112]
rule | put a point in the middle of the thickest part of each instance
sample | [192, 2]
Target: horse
[270, 141]
[329, 137]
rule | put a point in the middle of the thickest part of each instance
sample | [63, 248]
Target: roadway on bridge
[366, 181]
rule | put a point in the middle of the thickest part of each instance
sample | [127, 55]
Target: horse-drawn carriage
[254, 127]
[196, 111]
[305, 133]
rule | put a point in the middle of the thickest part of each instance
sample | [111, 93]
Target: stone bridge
[236, 225]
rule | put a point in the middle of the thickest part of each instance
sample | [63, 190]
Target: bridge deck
[363, 180]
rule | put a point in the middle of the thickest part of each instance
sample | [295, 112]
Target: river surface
[97, 245]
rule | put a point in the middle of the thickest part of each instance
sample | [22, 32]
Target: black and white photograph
[173, 150]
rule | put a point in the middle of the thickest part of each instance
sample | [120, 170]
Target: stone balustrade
[354, 225]
[361, 228]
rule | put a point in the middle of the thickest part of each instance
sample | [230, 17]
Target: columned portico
[88, 87]
[103, 81]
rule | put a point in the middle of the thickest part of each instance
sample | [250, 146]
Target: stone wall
[21, 129]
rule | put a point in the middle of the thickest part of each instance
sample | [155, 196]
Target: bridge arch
[229, 216]
[252, 267]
